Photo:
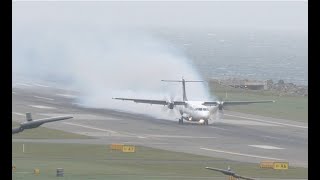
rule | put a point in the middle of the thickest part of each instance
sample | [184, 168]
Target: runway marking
[89, 127]
[23, 84]
[40, 85]
[265, 147]
[244, 122]
[67, 95]
[95, 134]
[14, 92]
[19, 114]
[271, 137]
[220, 128]
[141, 137]
[270, 122]
[131, 134]
[43, 98]
[240, 154]
[174, 136]
[42, 107]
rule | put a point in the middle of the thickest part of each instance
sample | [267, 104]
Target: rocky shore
[280, 87]
[287, 88]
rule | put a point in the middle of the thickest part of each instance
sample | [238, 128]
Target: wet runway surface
[241, 137]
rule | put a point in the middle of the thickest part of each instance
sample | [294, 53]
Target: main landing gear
[181, 120]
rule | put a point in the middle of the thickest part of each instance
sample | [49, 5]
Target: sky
[272, 15]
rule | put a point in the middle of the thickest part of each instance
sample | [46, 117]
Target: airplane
[195, 111]
[30, 123]
[230, 173]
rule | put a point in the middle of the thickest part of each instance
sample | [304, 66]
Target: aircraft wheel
[181, 121]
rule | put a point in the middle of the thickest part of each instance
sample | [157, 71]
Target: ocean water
[259, 55]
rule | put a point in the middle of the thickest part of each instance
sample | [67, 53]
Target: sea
[247, 54]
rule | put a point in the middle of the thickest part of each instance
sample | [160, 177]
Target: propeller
[218, 111]
[169, 108]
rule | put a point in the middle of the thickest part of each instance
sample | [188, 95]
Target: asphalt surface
[241, 137]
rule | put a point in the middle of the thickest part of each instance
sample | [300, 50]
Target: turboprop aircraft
[198, 111]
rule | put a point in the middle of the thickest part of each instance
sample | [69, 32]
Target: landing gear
[181, 120]
[206, 122]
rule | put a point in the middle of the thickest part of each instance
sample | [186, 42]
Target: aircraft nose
[205, 113]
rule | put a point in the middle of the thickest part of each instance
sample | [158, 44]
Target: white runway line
[271, 137]
[40, 85]
[19, 114]
[240, 154]
[223, 129]
[175, 136]
[67, 95]
[14, 92]
[90, 127]
[132, 135]
[141, 137]
[265, 147]
[270, 122]
[42, 107]
[43, 98]
[244, 122]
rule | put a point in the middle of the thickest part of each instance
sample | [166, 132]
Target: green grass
[81, 161]
[285, 107]
[45, 133]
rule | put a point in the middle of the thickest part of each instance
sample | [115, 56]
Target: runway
[240, 137]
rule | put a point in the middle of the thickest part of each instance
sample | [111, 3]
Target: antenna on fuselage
[184, 94]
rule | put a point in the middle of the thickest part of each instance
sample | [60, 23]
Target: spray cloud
[102, 61]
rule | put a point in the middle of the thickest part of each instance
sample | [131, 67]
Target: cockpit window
[201, 109]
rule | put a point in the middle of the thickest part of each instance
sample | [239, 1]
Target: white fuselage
[195, 111]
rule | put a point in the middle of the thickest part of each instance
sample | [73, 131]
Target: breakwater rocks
[287, 88]
[280, 88]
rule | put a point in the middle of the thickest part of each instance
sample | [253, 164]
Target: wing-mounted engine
[170, 105]
[220, 105]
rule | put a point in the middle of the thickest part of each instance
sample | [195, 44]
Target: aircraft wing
[150, 101]
[229, 103]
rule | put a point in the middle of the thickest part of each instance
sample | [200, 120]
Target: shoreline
[280, 87]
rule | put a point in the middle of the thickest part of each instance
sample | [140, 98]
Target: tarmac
[238, 136]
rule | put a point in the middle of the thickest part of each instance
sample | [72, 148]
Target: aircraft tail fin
[184, 94]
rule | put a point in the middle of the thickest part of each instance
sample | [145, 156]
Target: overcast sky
[269, 15]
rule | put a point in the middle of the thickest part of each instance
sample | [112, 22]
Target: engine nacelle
[170, 105]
